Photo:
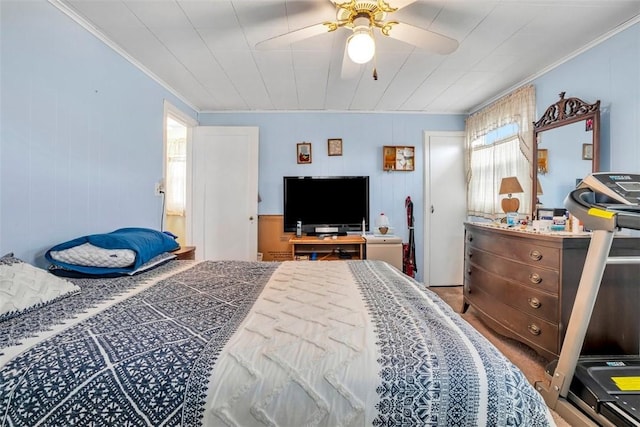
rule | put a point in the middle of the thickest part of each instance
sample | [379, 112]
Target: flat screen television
[327, 204]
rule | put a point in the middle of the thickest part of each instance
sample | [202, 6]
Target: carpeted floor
[531, 364]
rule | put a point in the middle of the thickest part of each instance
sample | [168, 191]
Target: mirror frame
[562, 113]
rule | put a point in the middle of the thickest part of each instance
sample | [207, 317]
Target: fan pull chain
[375, 68]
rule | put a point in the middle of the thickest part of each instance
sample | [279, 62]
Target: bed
[333, 343]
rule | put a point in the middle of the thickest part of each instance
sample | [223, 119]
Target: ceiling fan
[362, 17]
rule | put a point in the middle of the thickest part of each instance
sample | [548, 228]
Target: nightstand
[185, 252]
[385, 248]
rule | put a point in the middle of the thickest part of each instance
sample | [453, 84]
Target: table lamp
[508, 186]
[382, 223]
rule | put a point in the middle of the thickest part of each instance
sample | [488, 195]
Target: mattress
[257, 343]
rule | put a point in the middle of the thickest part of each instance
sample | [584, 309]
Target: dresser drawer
[528, 300]
[526, 274]
[533, 331]
[518, 249]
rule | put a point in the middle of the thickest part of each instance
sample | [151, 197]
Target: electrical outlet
[159, 188]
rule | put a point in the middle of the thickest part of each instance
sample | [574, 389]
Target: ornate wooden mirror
[566, 148]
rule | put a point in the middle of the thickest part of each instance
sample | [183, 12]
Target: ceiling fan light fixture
[361, 46]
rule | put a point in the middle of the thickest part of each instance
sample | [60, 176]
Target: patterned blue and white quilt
[257, 343]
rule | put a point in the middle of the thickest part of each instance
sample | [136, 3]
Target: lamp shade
[382, 220]
[510, 185]
[539, 187]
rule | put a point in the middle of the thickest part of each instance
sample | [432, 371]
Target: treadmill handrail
[582, 204]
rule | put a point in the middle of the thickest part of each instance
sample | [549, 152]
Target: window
[176, 177]
[499, 144]
[494, 156]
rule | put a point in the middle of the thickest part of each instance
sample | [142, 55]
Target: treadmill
[597, 390]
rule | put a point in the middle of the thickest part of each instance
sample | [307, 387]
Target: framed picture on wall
[587, 151]
[334, 147]
[303, 152]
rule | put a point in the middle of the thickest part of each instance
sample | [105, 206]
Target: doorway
[178, 129]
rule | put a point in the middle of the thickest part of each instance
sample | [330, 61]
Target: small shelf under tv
[327, 248]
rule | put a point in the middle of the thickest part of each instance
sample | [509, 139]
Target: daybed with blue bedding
[123, 251]
[238, 343]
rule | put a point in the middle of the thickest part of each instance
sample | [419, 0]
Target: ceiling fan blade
[287, 39]
[349, 68]
[263, 12]
[423, 39]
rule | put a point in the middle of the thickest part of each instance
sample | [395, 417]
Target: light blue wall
[363, 136]
[80, 133]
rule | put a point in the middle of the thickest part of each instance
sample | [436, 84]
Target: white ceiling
[204, 50]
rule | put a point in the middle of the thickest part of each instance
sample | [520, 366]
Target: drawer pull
[470, 238]
[534, 302]
[470, 254]
[534, 329]
[535, 255]
[535, 278]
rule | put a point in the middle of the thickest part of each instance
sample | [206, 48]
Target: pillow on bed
[24, 287]
[90, 255]
[98, 272]
[119, 252]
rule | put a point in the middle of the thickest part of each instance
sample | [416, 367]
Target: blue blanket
[145, 242]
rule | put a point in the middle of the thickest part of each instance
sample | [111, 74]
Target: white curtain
[488, 163]
[176, 177]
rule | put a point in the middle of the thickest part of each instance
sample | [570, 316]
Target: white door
[224, 193]
[446, 208]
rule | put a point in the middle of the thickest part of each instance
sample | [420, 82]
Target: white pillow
[95, 256]
[24, 287]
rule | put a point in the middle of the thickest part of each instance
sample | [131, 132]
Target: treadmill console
[620, 188]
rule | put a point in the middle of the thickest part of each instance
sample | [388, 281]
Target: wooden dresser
[523, 285]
